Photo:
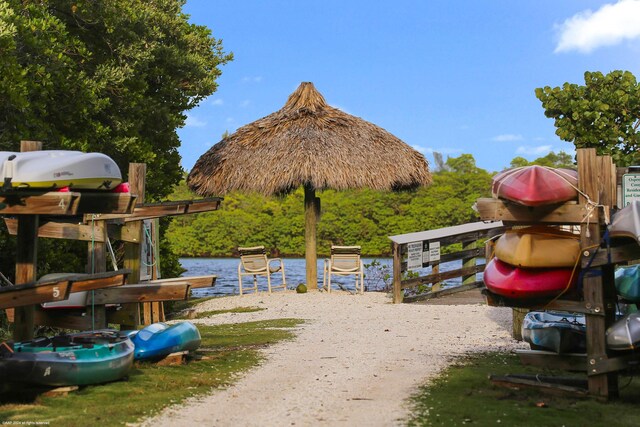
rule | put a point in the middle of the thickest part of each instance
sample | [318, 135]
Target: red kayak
[513, 282]
[536, 185]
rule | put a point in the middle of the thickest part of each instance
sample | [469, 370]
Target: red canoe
[536, 185]
[513, 282]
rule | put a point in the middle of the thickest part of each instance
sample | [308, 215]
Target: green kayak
[76, 359]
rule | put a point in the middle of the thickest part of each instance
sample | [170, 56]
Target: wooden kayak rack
[95, 217]
[597, 179]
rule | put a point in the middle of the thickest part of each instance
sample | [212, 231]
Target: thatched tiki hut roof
[308, 143]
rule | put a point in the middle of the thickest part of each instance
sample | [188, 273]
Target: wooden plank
[195, 282]
[62, 230]
[467, 253]
[482, 228]
[397, 272]
[542, 384]
[99, 280]
[159, 210]
[490, 209]
[546, 359]
[443, 292]
[26, 268]
[439, 277]
[613, 255]
[614, 363]
[34, 203]
[495, 300]
[142, 293]
[30, 294]
[65, 319]
[105, 202]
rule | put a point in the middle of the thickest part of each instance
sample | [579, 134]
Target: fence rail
[416, 251]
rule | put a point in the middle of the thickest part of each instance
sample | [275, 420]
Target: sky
[447, 76]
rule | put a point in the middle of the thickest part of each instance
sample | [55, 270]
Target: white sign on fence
[434, 251]
[630, 188]
[414, 255]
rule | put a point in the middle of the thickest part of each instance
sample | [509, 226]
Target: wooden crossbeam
[60, 203]
[34, 293]
[62, 230]
[142, 293]
[89, 282]
[158, 210]
[500, 210]
[195, 282]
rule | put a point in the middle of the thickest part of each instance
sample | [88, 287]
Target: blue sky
[449, 76]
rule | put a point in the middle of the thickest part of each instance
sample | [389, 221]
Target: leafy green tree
[604, 113]
[109, 76]
[559, 160]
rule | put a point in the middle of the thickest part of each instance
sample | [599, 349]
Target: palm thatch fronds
[309, 143]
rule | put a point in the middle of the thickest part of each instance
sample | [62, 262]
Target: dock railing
[417, 251]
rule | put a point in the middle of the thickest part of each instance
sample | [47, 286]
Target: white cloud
[507, 137]
[609, 25]
[536, 150]
[441, 150]
[245, 103]
[217, 101]
[193, 121]
[252, 79]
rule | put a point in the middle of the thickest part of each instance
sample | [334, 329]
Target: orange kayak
[538, 247]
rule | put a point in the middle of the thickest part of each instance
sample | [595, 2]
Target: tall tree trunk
[310, 220]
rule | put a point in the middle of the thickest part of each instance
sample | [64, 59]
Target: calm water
[226, 270]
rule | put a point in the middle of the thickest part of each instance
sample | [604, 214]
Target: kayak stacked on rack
[83, 358]
[59, 169]
[555, 331]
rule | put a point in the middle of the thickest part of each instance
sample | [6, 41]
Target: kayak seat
[254, 262]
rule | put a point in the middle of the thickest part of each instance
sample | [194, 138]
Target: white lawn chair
[254, 262]
[344, 261]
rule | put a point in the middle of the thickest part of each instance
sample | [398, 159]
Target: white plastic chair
[254, 262]
[344, 261]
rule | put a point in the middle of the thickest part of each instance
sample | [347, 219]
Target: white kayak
[52, 169]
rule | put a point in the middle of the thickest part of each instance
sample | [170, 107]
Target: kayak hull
[555, 331]
[625, 333]
[159, 340]
[77, 359]
[520, 283]
[627, 280]
[536, 185]
[51, 169]
[538, 247]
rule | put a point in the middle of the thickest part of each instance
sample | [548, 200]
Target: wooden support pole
[397, 273]
[97, 263]
[26, 260]
[589, 174]
[469, 262]
[310, 252]
[137, 173]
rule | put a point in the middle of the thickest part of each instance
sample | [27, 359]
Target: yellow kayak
[538, 247]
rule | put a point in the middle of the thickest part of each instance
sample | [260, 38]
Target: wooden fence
[416, 251]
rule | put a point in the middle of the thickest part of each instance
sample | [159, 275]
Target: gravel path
[353, 363]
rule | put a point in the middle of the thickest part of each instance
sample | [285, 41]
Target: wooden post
[97, 263]
[469, 262]
[601, 385]
[26, 260]
[397, 274]
[310, 252]
[137, 173]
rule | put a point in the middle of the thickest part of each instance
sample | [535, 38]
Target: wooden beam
[62, 230]
[66, 319]
[613, 255]
[30, 294]
[99, 280]
[195, 282]
[439, 277]
[499, 210]
[142, 293]
[546, 359]
[158, 210]
[33, 203]
[550, 303]
[577, 388]
[104, 202]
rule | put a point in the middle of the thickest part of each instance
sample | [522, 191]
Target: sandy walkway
[354, 363]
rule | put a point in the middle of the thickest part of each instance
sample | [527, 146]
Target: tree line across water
[356, 217]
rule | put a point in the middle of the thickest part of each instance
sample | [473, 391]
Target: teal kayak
[159, 340]
[76, 359]
[627, 280]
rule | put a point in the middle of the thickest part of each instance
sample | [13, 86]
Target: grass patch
[203, 314]
[226, 350]
[463, 395]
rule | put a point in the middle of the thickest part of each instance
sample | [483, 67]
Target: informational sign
[421, 254]
[414, 255]
[630, 188]
[434, 251]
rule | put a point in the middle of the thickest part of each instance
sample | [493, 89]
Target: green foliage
[377, 276]
[553, 160]
[363, 217]
[114, 77]
[604, 113]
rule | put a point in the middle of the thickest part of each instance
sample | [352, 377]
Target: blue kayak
[159, 340]
[627, 280]
[555, 331]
